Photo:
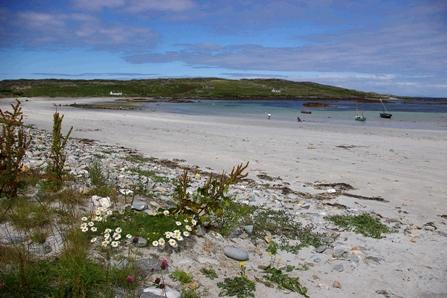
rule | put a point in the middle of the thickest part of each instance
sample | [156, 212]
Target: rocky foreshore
[344, 264]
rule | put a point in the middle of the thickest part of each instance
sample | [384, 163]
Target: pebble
[339, 253]
[336, 284]
[320, 249]
[236, 253]
[248, 229]
[339, 268]
[139, 205]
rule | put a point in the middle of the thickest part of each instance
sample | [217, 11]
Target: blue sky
[397, 47]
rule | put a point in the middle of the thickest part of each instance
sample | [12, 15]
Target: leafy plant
[189, 293]
[14, 141]
[209, 272]
[284, 281]
[57, 154]
[364, 224]
[210, 198]
[239, 286]
[181, 276]
[95, 173]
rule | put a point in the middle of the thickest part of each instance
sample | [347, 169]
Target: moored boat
[385, 113]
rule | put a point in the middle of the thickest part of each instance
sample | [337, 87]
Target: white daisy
[115, 243]
[118, 230]
[185, 220]
[166, 212]
[194, 222]
[83, 225]
[109, 212]
[84, 229]
[161, 242]
[98, 212]
[84, 218]
[178, 223]
[179, 238]
[128, 236]
[155, 243]
[104, 243]
[188, 228]
[91, 224]
[117, 237]
[93, 240]
[172, 243]
[107, 231]
[186, 233]
[94, 229]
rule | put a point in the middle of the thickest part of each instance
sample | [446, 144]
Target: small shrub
[181, 276]
[189, 293]
[364, 224]
[239, 286]
[209, 272]
[14, 141]
[57, 154]
[284, 281]
[97, 178]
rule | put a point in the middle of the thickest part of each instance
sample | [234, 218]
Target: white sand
[406, 167]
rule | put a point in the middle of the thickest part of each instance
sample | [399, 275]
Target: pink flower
[130, 279]
[164, 264]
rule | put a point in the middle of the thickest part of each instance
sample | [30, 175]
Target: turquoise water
[424, 114]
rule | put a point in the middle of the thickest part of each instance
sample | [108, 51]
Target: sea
[413, 114]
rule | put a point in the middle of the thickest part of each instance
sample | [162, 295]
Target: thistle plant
[57, 154]
[14, 141]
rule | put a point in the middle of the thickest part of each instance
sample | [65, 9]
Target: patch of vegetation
[57, 153]
[96, 175]
[14, 141]
[272, 248]
[284, 281]
[363, 224]
[209, 272]
[280, 224]
[137, 158]
[151, 227]
[181, 276]
[151, 175]
[26, 215]
[239, 286]
[190, 293]
[180, 88]
[234, 215]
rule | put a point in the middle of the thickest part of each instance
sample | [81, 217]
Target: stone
[200, 231]
[148, 266]
[139, 241]
[103, 202]
[339, 268]
[236, 253]
[139, 205]
[248, 229]
[336, 284]
[339, 253]
[153, 292]
[320, 249]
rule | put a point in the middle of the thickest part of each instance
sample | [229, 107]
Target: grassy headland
[188, 88]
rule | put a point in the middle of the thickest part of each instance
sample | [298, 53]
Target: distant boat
[385, 113]
[306, 112]
[358, 116]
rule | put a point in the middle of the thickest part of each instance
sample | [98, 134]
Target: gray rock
[139, 205]
[236, 253]
[16, 239]
[148, 266]
[139, 241]
[200, 231]
[153, 292]
[248, 229]
[320, 249]
[339, 253]
[339, 268]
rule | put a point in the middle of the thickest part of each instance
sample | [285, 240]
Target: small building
[277, 91]
[116, 93]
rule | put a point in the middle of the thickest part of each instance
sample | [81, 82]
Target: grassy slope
[178, 88]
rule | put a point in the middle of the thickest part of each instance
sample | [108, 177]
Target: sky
[389, 46]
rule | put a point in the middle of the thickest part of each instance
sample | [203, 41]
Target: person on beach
[269, 116]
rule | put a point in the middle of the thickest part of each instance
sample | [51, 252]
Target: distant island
[182, 88]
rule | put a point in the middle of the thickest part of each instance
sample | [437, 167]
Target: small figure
[269, 116]
[298, 119]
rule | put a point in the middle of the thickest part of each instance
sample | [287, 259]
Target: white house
[276, 91]
[116, 93]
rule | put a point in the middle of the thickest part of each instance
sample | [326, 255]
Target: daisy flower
[117, 236]
[118, 230]
[179, 238]
[194, 222]
[91, 224]
[155, 243]
[107, 231]
[115, 243]
[188, 228]
[94, 229]
[172, 243]
[93, 240]
[178, 223]
[84, 218]
[104, 243]
[166, 212]
[84, 229]
[186, 233]
[161, 242]
[128, 236]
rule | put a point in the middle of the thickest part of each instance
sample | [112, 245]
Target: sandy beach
[406, 167]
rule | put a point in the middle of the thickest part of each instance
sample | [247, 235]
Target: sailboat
[385, 113]
[358, 116]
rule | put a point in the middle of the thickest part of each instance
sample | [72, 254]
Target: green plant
[57, 154]
[284, 281]
[14, 141]
[151, 175]
[209, 272]
[364, 224]
[239, 286]
[26, 215]
[209, 199]
[96, 176]
[189, 293]
[272, 248]
[181, 276]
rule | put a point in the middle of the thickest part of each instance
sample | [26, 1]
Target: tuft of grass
[209, 272]
[181, 276]
[137, 158]
[39, 235]
[239, 286]
[190, 293]
[96, 175]
[26, 215]
[363, 224]
[284, 281]
[280, 224]
[151, 175]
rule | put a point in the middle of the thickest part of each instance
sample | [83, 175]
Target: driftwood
[379, 199]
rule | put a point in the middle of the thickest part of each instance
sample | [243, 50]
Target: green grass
[151, 227]
[151, 175]
[363, 224]
[26, 215]
[181, 276]
[96, 175]
[178, 88]
[283, 281]
[278, 223]
[190, 293]
[234, 215]
[137, 158]
[209, 272]
[239, 286]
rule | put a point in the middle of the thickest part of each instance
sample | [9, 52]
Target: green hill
[193, 88]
